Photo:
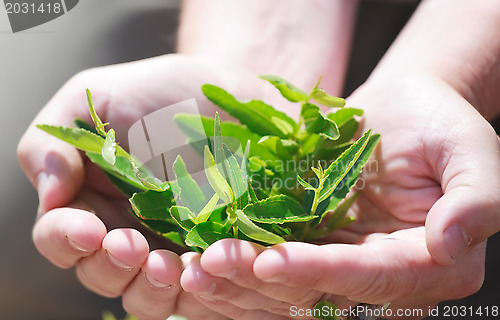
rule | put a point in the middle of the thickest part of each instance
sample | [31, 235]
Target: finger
[191, 308]
[384, 270]
[233, 259]
[209, 288]
[469, 211]
[66, 235]
[110, 270]
[153, 293]
[188, 305]
[53, 166]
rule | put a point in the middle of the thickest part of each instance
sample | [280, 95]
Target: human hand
[78, 205]
[433, 170]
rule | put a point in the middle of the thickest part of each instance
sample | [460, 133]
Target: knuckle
[94, 286]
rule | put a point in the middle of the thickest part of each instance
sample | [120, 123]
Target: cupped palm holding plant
[251, 196]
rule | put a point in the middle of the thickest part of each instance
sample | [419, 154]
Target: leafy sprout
[266, 195]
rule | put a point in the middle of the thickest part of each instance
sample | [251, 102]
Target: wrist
[298, 40]
[455, 41]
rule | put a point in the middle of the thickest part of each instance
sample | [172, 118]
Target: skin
[402, 214]
[427, 195]
[82, 220]
[416, 181]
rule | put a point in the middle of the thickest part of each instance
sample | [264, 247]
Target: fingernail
[456, 241]
[75, 245]
[118, 263]
[155, 283]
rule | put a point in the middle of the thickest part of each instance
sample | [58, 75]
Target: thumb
[396, 268]
[462, 218]
[469, 211]
[53, 166]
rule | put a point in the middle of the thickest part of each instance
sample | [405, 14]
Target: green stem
[315, 200]
[231, 215]
[314, 206]
[317, 191]
[235, 231]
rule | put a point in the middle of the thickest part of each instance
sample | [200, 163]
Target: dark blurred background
[36, 63]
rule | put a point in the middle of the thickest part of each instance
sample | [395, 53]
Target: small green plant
[290, 183]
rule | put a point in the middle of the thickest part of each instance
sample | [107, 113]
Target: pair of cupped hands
[422, 217]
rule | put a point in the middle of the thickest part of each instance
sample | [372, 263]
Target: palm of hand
[427, 154]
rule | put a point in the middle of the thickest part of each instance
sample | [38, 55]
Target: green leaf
[215, 178]
[191, 195]
[245, 169]
[347, 132]
[286, 148]
[146, 178]
[329, 153]
[80, 123]
[325, 99]
[316, 122]
[271, 113]
[120, 173]
[310, 144]
[343, 115]
[351, 177]
[304, 184]
[277, 209]
[248, 228]
[109, 147]
[99, 126]
[160, 227]
[253, 196]
[336, 218]
[325, 310]
[342, 165]
[108, 315]
[120, 170]
[269, 142]
[80, 138]
[190, 125]
[237, 180]
[287, 89]
[175, 237]
[313, 118]
[256, 115]
[207, 210]
[152, 204]
[183, 216]
[218, 149]
[124, 187]
[330, 130]
[206, 233]
[284, 126]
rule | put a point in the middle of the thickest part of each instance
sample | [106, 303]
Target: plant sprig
[266, 195]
